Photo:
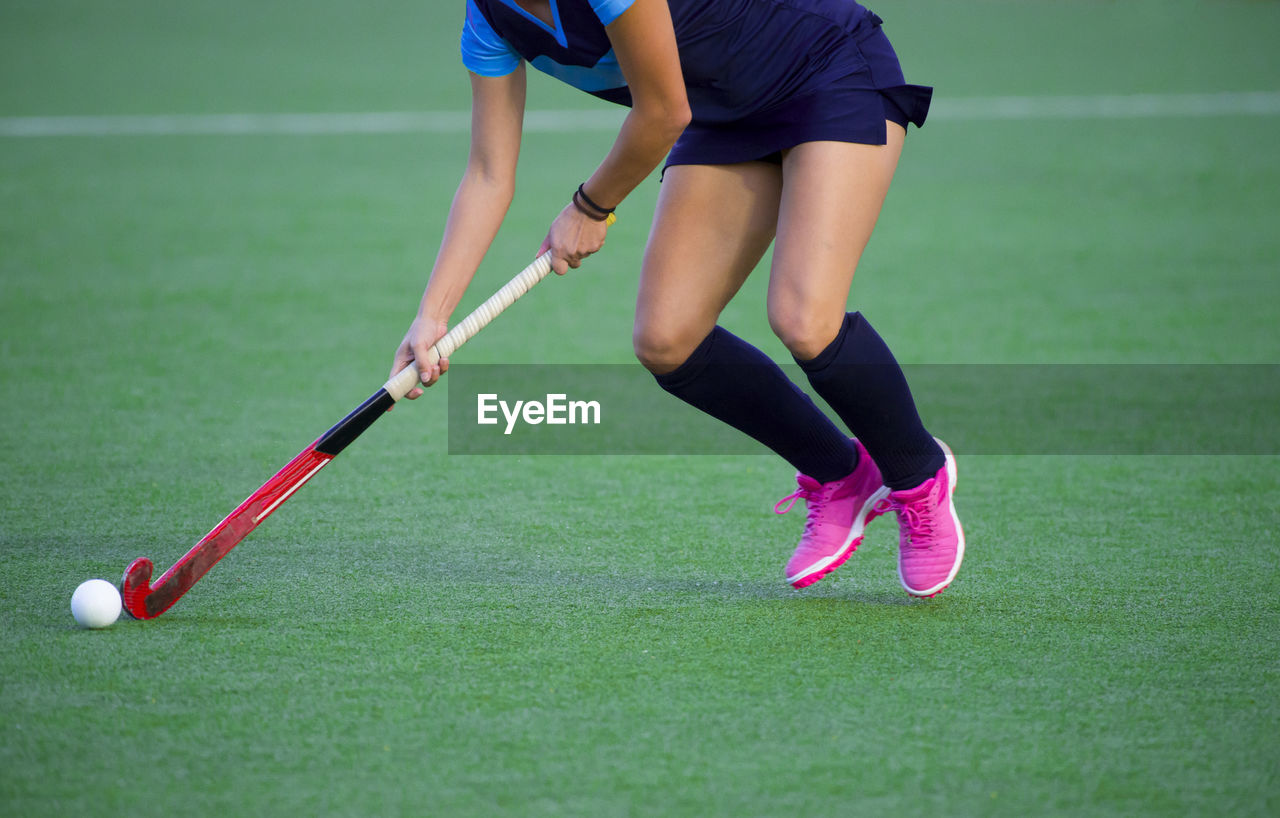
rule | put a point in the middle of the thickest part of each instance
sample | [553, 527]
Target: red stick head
[136, 587]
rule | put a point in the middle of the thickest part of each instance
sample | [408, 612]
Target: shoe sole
[952, 478]
[826, 565]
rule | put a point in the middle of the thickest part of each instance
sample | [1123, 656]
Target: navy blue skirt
[851, 108]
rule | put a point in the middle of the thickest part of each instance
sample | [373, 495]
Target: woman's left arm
[644, 41]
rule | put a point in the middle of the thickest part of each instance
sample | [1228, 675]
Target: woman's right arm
[479, 206]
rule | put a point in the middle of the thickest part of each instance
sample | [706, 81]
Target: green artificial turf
[417, 633]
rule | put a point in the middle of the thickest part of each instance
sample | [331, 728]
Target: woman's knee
[805, 332]
[662, 349]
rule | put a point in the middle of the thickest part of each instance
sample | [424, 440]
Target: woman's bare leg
[831, 199]
[712, 226]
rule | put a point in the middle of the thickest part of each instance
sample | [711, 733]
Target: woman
[781, 121]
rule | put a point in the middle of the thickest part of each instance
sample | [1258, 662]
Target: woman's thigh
[712, 225]
[831, 198]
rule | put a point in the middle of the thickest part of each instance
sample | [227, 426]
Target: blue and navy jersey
[738, 56]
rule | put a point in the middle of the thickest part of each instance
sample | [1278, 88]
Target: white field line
[1110, 106]
[1113, 106]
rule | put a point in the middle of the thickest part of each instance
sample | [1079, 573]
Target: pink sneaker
[930, 539]
[838, 514]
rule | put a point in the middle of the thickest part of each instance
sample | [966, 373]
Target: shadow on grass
[635, 589]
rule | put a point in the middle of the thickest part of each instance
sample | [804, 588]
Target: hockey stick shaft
[146, 601]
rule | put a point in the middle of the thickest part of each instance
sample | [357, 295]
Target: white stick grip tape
[404, 380]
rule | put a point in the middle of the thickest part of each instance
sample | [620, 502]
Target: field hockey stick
[146, 601]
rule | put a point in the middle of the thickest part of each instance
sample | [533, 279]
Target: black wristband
[587, 210]
[604, 211]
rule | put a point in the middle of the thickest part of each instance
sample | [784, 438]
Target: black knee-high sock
[859, 377]
[733, 381]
